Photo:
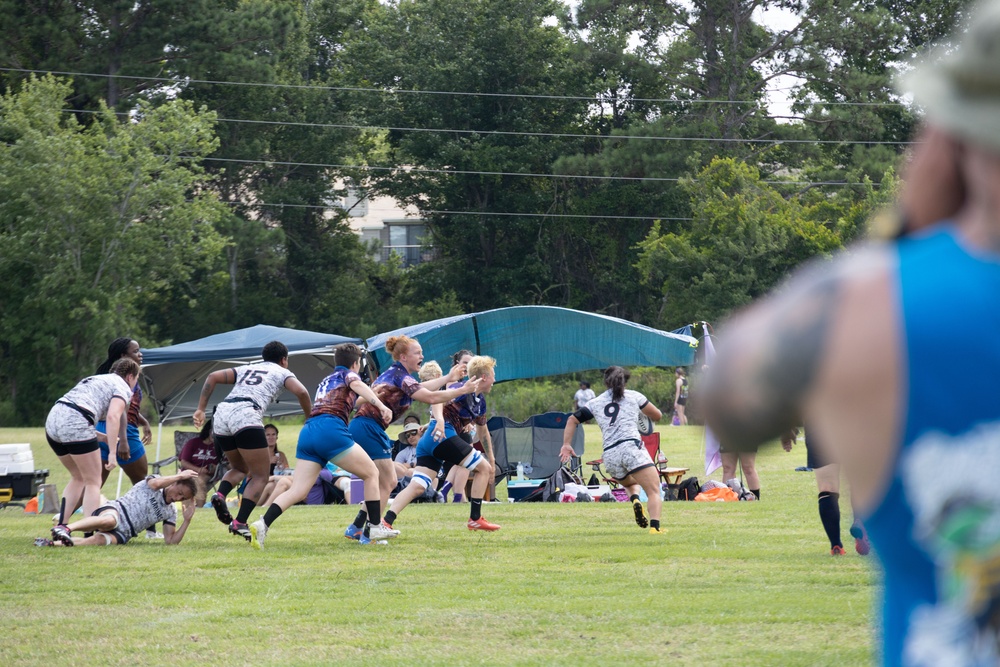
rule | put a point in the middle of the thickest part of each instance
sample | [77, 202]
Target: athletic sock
[829, 514]
[224, 488]
[654, 523]
[390, 517]
[457, 498]
[374, 509]
[272, 514]
[634, 498]
[246, 509]
[361, 519]
[477, 509]
[445, 488]
[756, 492]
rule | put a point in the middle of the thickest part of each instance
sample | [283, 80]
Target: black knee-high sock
[477, 509]
[390, 517]
[246, 509]
[361, 519]
[756, 492]
[374, 510]
[272, 514]
[829, 514]
[224, 488]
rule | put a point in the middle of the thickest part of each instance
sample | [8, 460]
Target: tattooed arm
[769, 357]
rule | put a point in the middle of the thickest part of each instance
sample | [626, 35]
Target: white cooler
[16, 458]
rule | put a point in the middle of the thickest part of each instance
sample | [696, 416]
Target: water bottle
[520, 470]
[41, 498]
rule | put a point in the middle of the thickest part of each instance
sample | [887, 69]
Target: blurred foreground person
[855, 348]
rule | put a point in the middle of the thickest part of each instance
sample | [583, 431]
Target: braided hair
[615, 378]
[117, 350]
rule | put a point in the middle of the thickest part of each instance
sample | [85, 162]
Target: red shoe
[482, 524]
[837, 551]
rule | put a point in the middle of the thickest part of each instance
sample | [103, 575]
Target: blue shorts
[372, 437]
[323, 438]
[427, 443]
[135, 448]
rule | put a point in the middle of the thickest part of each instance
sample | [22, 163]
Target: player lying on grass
[146, 504]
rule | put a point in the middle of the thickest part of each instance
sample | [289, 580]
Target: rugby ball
[645, 424]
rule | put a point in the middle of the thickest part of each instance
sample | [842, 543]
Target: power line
[558, 135]
[483, 213]
[423, 170]
[400, 91]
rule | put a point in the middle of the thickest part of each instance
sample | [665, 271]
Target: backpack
[555, 484]
[688, 489]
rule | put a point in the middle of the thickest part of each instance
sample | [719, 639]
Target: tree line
[172, 178]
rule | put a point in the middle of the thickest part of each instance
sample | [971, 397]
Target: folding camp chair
[652, 444]
[180, 439]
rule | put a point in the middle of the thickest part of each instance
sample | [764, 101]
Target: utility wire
[483, 213]
[400, 91]
[559, 135]
[423, 170]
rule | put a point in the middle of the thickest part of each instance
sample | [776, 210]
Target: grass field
[560, 584]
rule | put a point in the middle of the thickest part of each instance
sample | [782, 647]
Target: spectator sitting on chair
[279, 462]
[406, 459]
[200, 454]
[332, 487]
[147, 503]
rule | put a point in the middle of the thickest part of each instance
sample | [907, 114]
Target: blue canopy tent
[172, 376]
[536, 341]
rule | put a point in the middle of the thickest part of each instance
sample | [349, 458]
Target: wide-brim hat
[411, 428]
[958, 84]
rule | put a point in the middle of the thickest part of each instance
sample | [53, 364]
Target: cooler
[517, 489]
[16, 458]
[24, 485]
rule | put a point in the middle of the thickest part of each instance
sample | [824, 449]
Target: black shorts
[251, 437]
[452, 450]
[814, 457]
[729, 450]
[681, 401]
[76, 448]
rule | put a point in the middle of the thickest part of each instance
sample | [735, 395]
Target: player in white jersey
[625, 458]
[146, 504]
[238, 426]
[69, 429]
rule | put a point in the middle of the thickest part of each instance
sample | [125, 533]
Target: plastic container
[520, 470]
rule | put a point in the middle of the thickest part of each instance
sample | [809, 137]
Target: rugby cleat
[860, 535]
[482, 524]
[61, 534]
[381, 531]
[353, 532]
[640, 516]
[221, 509]
[258, 533]
[241, 529]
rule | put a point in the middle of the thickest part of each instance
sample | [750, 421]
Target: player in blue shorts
[397, 388]
[441, 444]
[325, 438]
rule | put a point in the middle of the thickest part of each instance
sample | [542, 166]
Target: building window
[406, 240]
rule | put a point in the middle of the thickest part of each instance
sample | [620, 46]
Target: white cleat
[258, 533]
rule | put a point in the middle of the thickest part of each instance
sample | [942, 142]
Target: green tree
[95, 221]
[744, 238]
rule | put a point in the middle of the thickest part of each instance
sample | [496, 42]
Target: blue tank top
[937, 531]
